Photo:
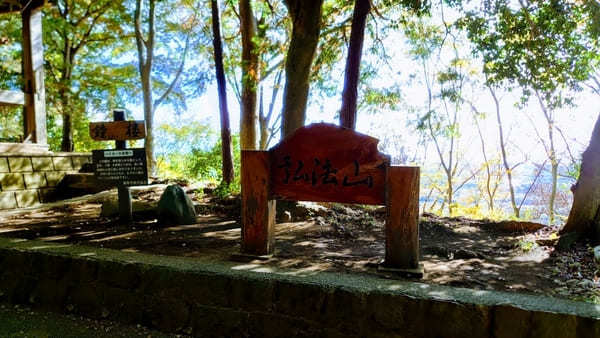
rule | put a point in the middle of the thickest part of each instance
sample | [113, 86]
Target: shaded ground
[20, 321]
[476, 254]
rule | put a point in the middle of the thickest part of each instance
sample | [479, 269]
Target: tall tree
[306, 27]
[75, 26]
[537, 45]
[584, 217]
[250, 76]
[145, 42]
[226, 149]
[357, 36]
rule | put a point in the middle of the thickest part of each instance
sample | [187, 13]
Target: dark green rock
[175, 207]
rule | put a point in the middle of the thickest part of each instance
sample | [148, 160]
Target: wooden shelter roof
[9, 6]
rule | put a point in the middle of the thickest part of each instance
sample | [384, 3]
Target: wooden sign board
[125, 167]
[327, 163]
[118, 130]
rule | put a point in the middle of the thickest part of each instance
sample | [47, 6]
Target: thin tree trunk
[488, 187]
[249, 77]
[507, 167]
[584, 217]
[67, 143]
[551, 153]
[145, 49]
[226, 149]
[266, 131]
[357, 36]
[306, 26]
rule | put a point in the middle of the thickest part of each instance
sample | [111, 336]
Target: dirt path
[455, 251]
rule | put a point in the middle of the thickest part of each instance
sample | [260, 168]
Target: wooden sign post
[122, 167]
[327, 163]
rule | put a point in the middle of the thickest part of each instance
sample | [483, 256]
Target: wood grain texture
[12, 98]
[327, 163]
[117, 130]
[258, 210]
[402, 224]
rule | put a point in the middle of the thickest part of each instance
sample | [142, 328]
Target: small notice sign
[121, 167]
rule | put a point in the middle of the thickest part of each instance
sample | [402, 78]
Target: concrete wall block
[35, 180]
[7, 200]
[20, 164]
[4, 165]
[79, 161]
[53, 177]
[12, 182]
[42, 164]
[62, 163]
[519, 319]
[27, 198]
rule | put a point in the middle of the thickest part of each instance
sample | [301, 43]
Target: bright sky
[575, 122]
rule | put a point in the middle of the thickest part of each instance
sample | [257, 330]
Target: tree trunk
[145, 49]
[508, 169]
[306, 26]
[249, 77]
[584, 217]
[357, 36]
[149, 117]
[554, 171]
[67, 144]
[226, 151]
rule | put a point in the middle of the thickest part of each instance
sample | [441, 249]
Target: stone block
[27, 198]
[4, 165]
[7, 200]
[54, 177]
[35, 180]
[79, 161]
[510, 321]
[42, 163]
[12, 182]
[62, 163]
[20, 164]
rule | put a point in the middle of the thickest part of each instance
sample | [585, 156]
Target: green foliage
[10, 50]
[193, 151]
[11, 122]
[527, 245]
[540, 46]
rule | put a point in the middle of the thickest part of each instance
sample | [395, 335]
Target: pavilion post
[33, 72]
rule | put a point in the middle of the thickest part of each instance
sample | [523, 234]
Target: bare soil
[477, 254]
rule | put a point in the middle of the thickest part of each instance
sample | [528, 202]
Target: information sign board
[121, 167]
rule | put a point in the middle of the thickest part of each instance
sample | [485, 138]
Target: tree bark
[226, 150]
[551, 152]
[306, 27]
[250, 77]
[513, 201]
[357, 36]
[145, 49]
[584, 217]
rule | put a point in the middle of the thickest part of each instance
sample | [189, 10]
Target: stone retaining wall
[208, 298]
[29, 179]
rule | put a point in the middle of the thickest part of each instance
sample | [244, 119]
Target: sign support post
[327, 163]
[122, 167]
[124, 194]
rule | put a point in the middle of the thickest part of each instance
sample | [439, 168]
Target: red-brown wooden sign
[118, 130]
[327, 163]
